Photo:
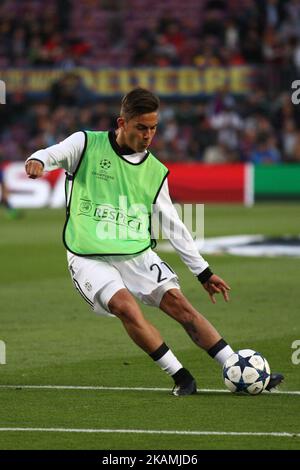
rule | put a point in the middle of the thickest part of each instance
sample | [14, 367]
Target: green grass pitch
[53, 338]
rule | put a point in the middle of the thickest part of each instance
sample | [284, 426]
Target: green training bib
[110, 205]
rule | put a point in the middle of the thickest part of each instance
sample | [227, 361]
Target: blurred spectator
[165, 53]
[296, 55]
[174, 35]
[273, 12]
[213, 21]
[221, 101]
[228, 125]
[203, 137]
[252, 46]
[143, 52]
[295, 156]
[289, 139]
[218, 154]
[284, 109]
[70, 91]
[206, 56]
[266, 151]
[232, 34]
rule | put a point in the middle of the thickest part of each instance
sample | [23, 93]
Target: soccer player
[115, 186]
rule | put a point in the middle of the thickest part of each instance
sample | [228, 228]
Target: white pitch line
[153, 431]
[134, 389]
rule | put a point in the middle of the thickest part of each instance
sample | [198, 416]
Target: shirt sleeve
[172, 225]
[65, 155]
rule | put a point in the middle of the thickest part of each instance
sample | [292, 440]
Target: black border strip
[108, 254]
[161, 185]
[181, 458]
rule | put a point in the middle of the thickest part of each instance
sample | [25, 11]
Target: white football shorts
[97, 279]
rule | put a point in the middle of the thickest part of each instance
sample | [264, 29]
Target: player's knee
[125, 311]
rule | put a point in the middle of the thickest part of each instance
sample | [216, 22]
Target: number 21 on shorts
[159, 268]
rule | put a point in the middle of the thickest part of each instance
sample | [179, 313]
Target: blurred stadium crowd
[263, 127]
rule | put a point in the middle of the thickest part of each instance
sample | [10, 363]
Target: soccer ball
[246, 371]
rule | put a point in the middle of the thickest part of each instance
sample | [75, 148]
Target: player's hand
[216, 285]
[34, 169]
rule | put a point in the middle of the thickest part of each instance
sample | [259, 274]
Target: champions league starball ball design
[246, 371]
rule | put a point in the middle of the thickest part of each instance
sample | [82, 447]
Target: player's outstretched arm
[216, 285]
[186, 247]
[34, 169]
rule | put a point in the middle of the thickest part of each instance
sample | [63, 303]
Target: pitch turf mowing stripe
[134, 389]
[152, 431]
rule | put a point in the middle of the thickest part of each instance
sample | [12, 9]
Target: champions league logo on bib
[105, 164]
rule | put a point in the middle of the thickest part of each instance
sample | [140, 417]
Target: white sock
[169, 363]
[222, 356]
[166, 360]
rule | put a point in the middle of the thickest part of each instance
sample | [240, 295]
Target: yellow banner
[184, 81]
